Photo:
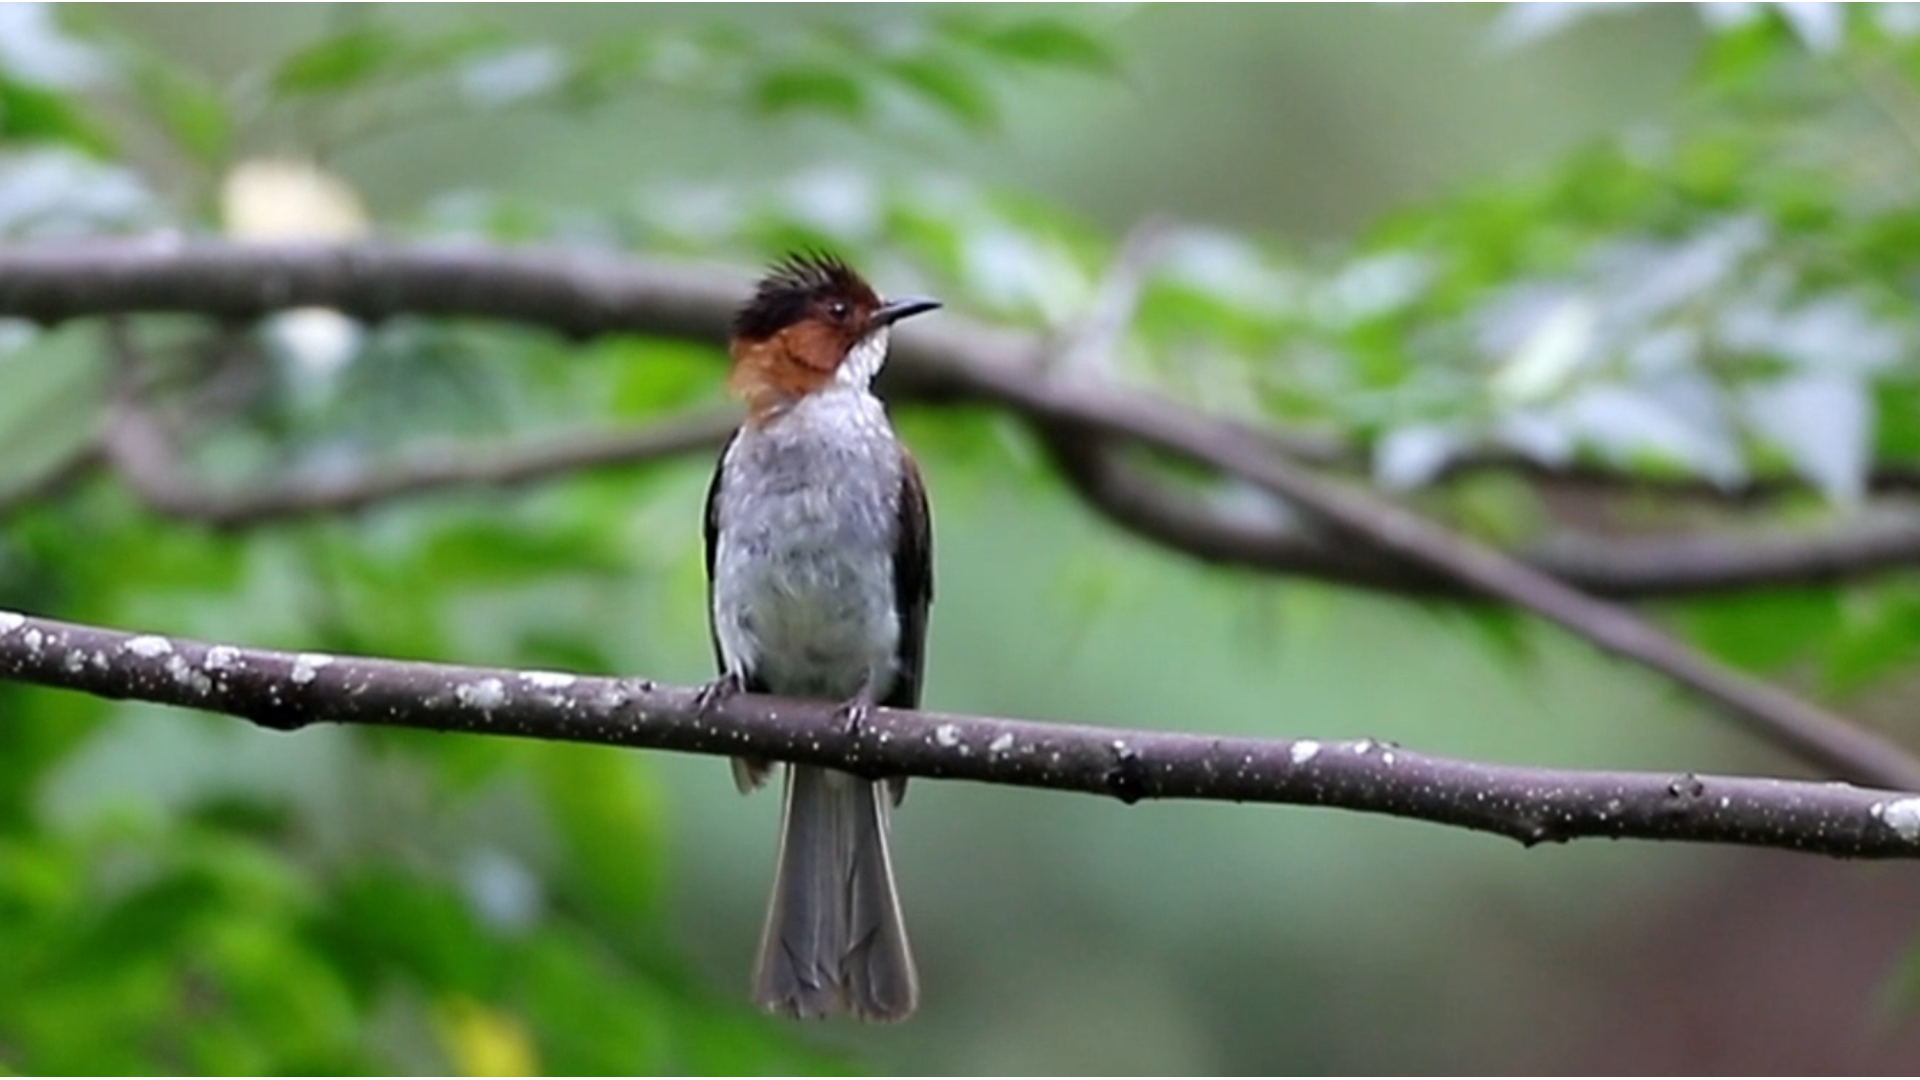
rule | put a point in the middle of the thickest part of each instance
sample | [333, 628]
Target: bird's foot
[719, 690]
[853, 713]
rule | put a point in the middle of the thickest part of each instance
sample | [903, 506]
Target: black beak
[894, 310]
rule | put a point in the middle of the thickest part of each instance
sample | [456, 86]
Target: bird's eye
[838, 310]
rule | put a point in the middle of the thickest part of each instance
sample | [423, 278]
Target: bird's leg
[719, 690]
[853, 713]
[748, 773]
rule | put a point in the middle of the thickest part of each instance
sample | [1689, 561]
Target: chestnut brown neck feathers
[790, 339]
[811, 323]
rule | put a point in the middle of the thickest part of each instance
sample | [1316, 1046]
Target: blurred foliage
[1725, 296]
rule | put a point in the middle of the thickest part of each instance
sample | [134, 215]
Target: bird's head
[812, 323]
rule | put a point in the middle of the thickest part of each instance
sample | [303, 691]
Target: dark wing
[748, 773]
[912, 586]
[712, 529]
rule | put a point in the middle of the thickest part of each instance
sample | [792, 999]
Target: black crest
[793, 287]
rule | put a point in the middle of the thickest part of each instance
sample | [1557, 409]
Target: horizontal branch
[581, 296]
[287, 691]
[143, 453]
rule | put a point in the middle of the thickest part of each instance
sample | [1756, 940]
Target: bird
[819, 555]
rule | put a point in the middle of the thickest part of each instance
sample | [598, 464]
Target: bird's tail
[834, 937]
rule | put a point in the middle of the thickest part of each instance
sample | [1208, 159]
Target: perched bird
[819, 574]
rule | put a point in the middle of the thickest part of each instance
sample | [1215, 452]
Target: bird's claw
[714, 693]
[853, 714]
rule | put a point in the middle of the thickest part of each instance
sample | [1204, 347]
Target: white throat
[863, 360]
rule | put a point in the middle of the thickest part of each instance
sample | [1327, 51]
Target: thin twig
[144, 452]
[1089, 347]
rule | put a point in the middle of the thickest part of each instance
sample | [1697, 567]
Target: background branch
[1219, 527]
[585, 295]
[287, 691]
[144, 455]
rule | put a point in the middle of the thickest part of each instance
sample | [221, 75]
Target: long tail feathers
[834, 937]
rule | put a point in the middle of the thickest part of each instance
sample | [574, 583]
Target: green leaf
[510, 552]
[159, 918]
[1505, 633]
[189, 110]
[357, 57]
[29, 113]
[1740, 56]
[611, 822]
[384, 922]
[652, 377]
[1879, 633]
[338, 62]
[1896, 413]
[1764, 631]
[810, 89]
[46, 728]
[574, 997]
[948, 88]
[37, 875]
[1046, 41]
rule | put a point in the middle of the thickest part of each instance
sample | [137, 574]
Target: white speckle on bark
[184, 674]
[221, 658]
[33, 638]
[946, 735]
[485, 694]
[11, 621]
[306, 667]
[75, 661]
[1386, 758]
[1363, 747]
[548, 680]
[1303, 751]
[1001, 744]
[1900, 815]
[148, 645]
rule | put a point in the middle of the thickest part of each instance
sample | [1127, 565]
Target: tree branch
[948, 360]
[581, 296]
[287, 691]
[144, 457]
[587, 295]
[1229, 532]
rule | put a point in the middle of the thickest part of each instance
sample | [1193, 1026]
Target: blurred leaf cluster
[1724, 297]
